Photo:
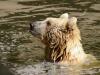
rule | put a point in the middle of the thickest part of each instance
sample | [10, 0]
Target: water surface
[23, 54]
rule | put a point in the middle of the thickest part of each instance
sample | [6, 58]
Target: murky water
[23, 54]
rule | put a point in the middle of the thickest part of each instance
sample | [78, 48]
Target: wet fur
[64, 45]
[62, 39]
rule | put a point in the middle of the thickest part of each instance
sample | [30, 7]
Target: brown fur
[62, 39]
[59, 41]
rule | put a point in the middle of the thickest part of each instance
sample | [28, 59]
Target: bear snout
[31, 26]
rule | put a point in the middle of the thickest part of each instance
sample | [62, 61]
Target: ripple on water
[46, 68]
[96, 7]
[25, 52]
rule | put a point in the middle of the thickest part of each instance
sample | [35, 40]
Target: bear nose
[31, 26]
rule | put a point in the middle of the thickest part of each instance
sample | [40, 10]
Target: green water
[19, 50]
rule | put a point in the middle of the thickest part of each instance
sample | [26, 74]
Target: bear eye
[48, 23]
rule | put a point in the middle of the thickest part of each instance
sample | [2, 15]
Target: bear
[62, 39]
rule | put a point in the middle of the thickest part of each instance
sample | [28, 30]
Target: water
[23, 54]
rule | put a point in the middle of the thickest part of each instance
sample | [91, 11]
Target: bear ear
[65, 15]
[65, 18]
[72, 21]
[71, 25]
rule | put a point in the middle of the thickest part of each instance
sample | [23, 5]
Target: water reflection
[25, 52]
